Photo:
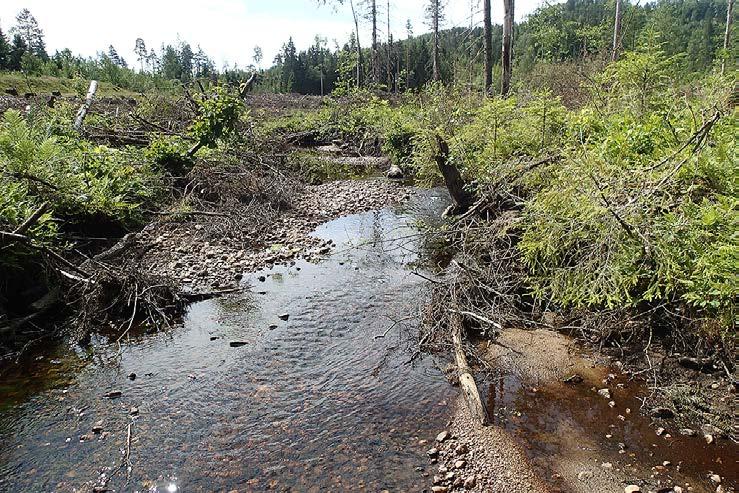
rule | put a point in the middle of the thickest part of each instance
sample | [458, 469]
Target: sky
[227, 30]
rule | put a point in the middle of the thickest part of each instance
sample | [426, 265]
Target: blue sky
[227, 30]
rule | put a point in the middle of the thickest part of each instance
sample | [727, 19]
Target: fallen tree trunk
[466, 380]
[461, 197]
[86, 105]
[245, 87]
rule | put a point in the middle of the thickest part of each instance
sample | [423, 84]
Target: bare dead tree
[617, 32]
[488, 35]
[360, 60]
[435, 13]
[389, 52]
[727, 34]
[507, 61]
[375, 44]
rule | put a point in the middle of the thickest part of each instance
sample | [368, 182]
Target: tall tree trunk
[389, 52]
[375, 46]
[360, 61]
[507, 61]
[617, 32]
[435, 14]
[488, 34]
[727, 34]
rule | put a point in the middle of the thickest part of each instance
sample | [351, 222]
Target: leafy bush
[217, 117]
[80, 181]
[170, 155]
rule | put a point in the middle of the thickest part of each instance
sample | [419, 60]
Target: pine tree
[4, 51]
[170, 64]
[186, 60]
[115, 57]
[17, 49]
[140, 50]
[27, 28]
[507, 54]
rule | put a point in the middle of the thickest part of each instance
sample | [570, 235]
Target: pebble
[443, 436]
[113, 394]
[632, 489]
[460, 464]
[715, 478]
[97, 428]
[605, 393]
[284, 316]
[584, 475]
[461, 449]
[237, 343]
[432, 452]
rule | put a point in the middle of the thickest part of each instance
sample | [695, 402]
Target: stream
[309, 400]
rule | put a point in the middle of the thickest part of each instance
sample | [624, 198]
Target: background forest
[570, 31]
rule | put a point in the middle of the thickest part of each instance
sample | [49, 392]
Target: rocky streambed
[305, 379]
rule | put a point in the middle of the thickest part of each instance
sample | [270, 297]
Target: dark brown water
[315, 404]
[554, 422]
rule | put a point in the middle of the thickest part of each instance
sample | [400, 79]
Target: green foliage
[628, 199]
[643, 205]
[218, 116]
[170, 155]
[81, 182]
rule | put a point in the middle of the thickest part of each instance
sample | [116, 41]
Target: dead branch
[86, 105]
[32, 219]
[30, 177]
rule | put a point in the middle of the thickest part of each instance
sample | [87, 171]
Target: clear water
[315, 404]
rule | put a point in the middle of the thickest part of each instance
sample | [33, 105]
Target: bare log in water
[466, 380]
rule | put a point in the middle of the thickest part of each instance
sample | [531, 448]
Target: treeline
[693, 30]
[576, 29]
[24, 50]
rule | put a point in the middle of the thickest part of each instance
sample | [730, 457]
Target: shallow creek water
[313, 404]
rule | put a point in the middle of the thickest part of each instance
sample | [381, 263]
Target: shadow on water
[310, 400]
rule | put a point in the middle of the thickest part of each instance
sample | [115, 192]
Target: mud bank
[578, 425]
